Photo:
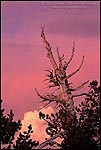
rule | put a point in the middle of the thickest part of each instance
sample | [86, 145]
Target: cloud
[39, 126]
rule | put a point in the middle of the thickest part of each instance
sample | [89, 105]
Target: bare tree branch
[44, 106]
[82, 94]
[61, 66]
[42, 97]
[77, 69]
[45, 98]
[51, 79]
[48, 97]
[48, 47]
[60, 58]
[67, 63]
[79, 87]
[73, 50]
[45, 143]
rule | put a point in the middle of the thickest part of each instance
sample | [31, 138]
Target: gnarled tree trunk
[58, 78]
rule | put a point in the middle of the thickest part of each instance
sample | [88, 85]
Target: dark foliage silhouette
[9, 127]
[84, 130]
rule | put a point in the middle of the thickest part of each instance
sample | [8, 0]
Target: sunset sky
[24, 59]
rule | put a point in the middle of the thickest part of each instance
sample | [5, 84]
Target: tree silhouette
[82, 133]
[9, 127]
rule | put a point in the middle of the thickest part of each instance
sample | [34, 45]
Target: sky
[24, 58]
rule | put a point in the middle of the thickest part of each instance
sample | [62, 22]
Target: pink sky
[24, 56]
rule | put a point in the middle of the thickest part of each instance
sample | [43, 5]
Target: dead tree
[58, 78]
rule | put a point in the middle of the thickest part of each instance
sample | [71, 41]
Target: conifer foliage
[9, 128]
